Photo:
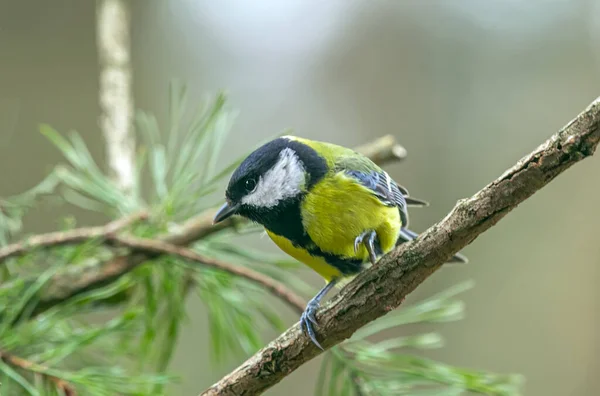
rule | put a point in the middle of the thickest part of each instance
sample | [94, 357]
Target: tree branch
[116, 98]
[201, 226]
[61, 385]
[77, 235]
[383, 150]
[153, 247]
[383, 287]
[74, 281]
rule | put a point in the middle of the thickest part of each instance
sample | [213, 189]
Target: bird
[325, 205]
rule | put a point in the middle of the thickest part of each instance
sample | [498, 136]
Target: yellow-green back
[338, 156]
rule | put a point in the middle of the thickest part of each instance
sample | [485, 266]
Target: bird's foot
[308, 319]
[368, 239]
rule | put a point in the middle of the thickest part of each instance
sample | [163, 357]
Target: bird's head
[277, 173]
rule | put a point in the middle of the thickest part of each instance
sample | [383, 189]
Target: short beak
[227, 210]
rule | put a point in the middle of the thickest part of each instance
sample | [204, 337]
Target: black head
[280, 171]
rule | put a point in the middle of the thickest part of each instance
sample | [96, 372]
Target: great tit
[325, 205]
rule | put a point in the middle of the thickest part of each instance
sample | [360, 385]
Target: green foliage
[13, 209]
[363, 367]
[129, 352]
[182, 173]
[273, 266]
[56, 344]
[83, 182]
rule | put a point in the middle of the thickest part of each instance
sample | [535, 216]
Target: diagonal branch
[383, 287]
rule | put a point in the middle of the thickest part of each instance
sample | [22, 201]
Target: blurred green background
[467, 86]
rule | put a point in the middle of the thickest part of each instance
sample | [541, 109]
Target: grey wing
[385, 189]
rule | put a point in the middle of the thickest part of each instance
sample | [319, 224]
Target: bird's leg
[308, 316]
[368, 239]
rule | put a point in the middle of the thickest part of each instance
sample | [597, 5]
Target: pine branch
[74, 281]
[200, 227]
[78, 235]
[61, 385]
[383, 287]
[153, 248]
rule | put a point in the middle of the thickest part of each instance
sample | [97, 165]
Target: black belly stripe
[285, 220]
[346, 266]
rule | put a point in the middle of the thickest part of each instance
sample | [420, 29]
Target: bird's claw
[367, 238]
[357, 241]
[308, 319]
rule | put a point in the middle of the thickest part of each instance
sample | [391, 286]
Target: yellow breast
[338, 209]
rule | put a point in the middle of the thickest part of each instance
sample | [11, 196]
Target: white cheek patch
[284, 180]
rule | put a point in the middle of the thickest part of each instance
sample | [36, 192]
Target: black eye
[250, 185]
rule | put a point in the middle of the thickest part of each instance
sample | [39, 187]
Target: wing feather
[384, 188]
[367, 173]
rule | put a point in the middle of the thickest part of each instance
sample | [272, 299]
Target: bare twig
[383, 287]
[149, 247]
[68, 237]
[116, 98]
[383, 150]
[155, 247]
[74, 281]
[199, 227]
[61, 385]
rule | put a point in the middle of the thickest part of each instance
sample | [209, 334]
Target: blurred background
[468, 87]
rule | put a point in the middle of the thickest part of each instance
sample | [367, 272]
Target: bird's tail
[408, 235]
[415, 201]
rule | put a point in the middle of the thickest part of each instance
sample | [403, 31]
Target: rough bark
[382, 288]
